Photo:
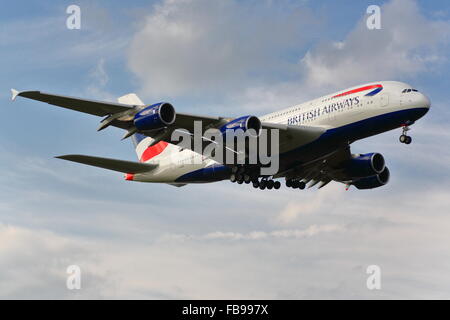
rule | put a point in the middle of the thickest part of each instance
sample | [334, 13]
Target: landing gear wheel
[255, 184]
[263, 184]
[301, 185]
[288, 183]
[277, 185]
[295, 184]
[403, 138]
[240, 181]
[270, 184]
[247, 178]
[233, 178]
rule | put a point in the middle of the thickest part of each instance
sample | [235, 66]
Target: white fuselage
[331, 111]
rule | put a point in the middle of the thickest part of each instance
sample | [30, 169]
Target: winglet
[15, 93]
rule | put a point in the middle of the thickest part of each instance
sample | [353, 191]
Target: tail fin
[130, 98]
[133, 99]
[140, 141]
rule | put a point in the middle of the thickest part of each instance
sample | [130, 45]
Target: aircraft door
[384, 100]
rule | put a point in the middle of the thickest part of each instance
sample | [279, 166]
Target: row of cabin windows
[283, 113]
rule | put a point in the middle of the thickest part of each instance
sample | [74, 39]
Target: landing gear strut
[404, 138]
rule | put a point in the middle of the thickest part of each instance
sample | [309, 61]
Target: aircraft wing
[122, 116]
[320, 171]
[96, 108]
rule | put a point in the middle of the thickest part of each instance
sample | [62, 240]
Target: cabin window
[410, 90]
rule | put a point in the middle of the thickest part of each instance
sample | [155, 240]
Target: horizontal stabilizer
[110, 164]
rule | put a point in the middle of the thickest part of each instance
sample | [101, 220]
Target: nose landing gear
[404, 138]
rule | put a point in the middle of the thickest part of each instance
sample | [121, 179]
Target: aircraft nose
[423, 101]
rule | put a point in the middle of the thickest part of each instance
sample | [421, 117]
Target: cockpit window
[409, 90]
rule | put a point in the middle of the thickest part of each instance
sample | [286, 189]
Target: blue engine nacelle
[243, 123]
[364, 165]
[156, 116]
[372, 182]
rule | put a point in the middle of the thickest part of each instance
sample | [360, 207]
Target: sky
[217, 241]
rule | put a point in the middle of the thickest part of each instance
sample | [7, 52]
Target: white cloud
[408, 44]
[322, 199]
[225, 53]
[99, 80]
[258, 235]
[34, 264]
[318, 261]
[201, 47]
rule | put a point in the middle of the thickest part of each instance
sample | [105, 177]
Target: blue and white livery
[314, 146]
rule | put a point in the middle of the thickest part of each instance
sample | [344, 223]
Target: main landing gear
[241, 175]
[295, 184]
[263, 183]
[404, 138]
[266, 183]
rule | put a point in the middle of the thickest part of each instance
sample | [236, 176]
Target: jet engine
[156, 116]
[245, 124]
[364, 165]
[372, 182]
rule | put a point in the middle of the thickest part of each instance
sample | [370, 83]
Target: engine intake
[364, 165]
[245, 124]
[156, 116]
[372, 182]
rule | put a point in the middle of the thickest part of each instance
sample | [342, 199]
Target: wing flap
[321, 170]
[110, 164]
[186, 121]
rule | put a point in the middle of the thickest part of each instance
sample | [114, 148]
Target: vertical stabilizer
[141, 142]
[131, 99]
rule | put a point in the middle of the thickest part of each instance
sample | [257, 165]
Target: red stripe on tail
[152, 152]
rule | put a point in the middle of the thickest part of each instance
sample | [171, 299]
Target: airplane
[314, 137]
